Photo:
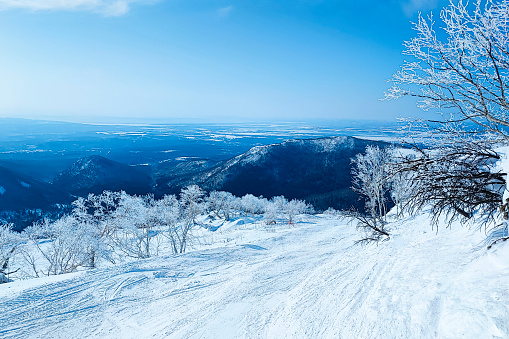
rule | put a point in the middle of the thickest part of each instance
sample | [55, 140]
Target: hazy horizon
[120, 120]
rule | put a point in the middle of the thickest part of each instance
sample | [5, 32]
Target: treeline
[114, 226]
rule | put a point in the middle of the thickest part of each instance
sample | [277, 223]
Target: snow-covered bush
[133, 234]
[9, 245]
[294, 208]
[271, 214]
[222, 204]
[190, 205]
[274, 209]
[97, 211]
[175, 227]
[371, 179]
[253, 205]
[280, 207]
[65, 248]
[332, 212]
[116, 226]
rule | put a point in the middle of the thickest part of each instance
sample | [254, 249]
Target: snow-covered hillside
[302, 281]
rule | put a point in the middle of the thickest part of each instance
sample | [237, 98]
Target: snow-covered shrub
[332, 212]
[192, 204]
[9, 245]
[294, 208]
[280, 207]
[271, 214]
[223, 204]
[371, 179]
[97, 210]
[253, 205]
[64, 245]
[274, 209]
[115, 226]
[133, 230]
[175, 227]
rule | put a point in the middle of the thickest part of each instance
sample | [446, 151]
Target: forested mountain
[95, 174]
[18, 191]
[316, 170]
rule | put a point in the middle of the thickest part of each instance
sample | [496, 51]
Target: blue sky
[208, 60]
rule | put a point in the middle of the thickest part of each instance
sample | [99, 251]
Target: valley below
[44, 166]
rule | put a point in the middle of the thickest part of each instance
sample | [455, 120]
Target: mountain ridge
[94, 174]
[316, 170]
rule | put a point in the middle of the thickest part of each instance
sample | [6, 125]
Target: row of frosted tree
[115, 226]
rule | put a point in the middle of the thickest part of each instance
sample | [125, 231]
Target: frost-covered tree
[279, 206]
[191, 198]
[222, 204]
[280, 202]
[192, 204]
[401, 183]
[461, 71]
[97, 211]
[63, 245]
[271, 214]
[253, 205]
[133, 234]
[176, 228]
[371, 180]
[9, 246]
[274, 209]
[294, 208]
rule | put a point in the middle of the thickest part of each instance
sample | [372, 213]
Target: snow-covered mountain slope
[307, 281]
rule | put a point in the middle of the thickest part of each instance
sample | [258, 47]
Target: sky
[204, 60]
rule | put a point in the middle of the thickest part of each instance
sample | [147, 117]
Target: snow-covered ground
[306, 281]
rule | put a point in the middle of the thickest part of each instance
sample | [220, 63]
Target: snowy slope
[307, 281]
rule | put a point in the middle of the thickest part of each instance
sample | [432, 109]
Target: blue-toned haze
[218, 60]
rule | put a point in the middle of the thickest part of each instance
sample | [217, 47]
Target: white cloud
[410, 7]
[224, 12]
[104, 7]
[117, 8]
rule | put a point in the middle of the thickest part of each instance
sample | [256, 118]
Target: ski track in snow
[310, 281]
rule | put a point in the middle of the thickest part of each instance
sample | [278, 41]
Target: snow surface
[305, 281]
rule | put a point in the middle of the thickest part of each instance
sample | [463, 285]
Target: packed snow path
[310, 281]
